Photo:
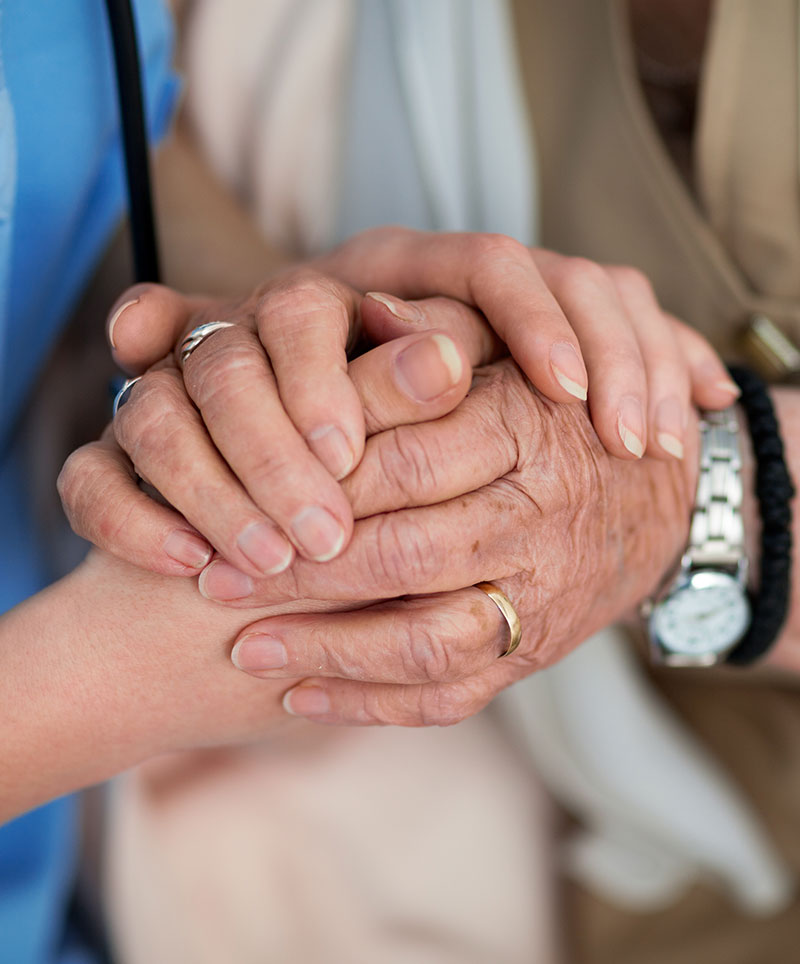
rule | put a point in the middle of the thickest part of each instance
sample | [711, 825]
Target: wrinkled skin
[572, 535]
[509, 487]
[240, 442]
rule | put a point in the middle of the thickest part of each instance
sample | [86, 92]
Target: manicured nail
[400, 309]
[630, 425]
[220, 582]
[307, 701]
[317, 533]
[568, 369]
[726, 385]
[187, 548]
[669, 426]
[331, 447]
[265, 547]
[115, 318]
[258, 653]
[428, 368]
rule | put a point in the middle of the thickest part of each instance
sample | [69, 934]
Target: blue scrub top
[61, 196]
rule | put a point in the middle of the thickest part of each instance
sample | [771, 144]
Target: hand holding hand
[217, 442]
[273, 419]
[509, 488]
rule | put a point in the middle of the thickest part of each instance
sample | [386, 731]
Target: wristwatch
[703, 610]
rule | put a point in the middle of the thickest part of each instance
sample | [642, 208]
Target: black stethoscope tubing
[134, 139]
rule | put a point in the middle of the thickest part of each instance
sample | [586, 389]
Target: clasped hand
[389, 486]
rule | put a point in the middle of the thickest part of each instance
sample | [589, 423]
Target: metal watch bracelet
[716, 537]
[714, 561]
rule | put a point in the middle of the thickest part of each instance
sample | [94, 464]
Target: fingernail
[115, 318]
[726, 385]
[400, 309]
[257, 652]
[630, 425]
[670, 444]
[265, 547]
[220, 582]
[307, 701]
[317, 533]
[331, 447]
[568, 369]
[428, 368]
[187, 549]
[669, 426]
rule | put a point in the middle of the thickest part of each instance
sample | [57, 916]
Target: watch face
[707, 616]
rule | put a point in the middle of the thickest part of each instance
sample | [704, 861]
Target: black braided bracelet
[774, 490]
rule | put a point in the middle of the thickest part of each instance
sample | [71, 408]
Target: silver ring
[123, 394]
[197, 336]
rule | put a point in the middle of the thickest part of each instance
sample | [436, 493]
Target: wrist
[167, 676]
[63, 728]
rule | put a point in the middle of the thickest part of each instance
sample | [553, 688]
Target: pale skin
[277, 404]
[93, 675]
[110, 729]
[134, 664]
[492, 458]
[112, 681]
[437, 664]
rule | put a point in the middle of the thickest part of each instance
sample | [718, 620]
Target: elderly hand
[189, 456]
[255, 448]
[509, 488]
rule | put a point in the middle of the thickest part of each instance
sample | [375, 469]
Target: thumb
[385, 317]
[145, 322]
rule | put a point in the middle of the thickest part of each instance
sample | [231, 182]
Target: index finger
[305, 321]
[414, 551]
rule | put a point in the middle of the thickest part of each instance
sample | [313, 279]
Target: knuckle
[72, 479]
[299, 292]
[372, 239]
[269, 473]
[493, 257]
[403, 553]
[112, 525]
[445, 705]
[151, 415]
[427, 654]
[631, 282]
[407, 465]
[500, 247]
[224, 371]
[94, 504]
[516, 415]
[580, 273]
[306, 303]
[387, 232]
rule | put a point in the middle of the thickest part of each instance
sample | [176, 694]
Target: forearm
[50, 729]
[208, 240]
[110, 666]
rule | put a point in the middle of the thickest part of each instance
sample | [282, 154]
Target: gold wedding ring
[503, 603]
[197, 336]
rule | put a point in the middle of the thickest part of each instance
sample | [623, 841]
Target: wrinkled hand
[218, 445]
[509, 488]
[248, 442]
